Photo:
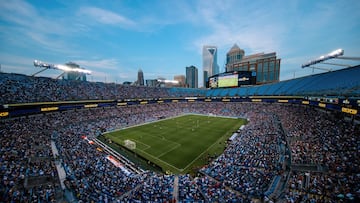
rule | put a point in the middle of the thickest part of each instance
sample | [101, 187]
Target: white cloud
[109, 70]
[118, 77]
[9, 59]
[229, 22]
[55, 44]
[106, 17]
[26, 16]
[111, 64]
[42, 31]
[17, 7]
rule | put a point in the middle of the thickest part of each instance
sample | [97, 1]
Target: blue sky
[114, 39]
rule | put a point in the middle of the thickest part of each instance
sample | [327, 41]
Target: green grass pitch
[177, 144]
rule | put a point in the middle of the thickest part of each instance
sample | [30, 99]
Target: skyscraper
[235, 55]
[265, 65]
[210, 66]
[192, 77]
[140, 78]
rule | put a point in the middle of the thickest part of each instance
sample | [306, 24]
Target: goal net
[130, 144]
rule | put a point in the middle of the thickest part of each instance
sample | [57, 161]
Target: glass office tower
[266, 66]
[210, 66]
[192, 77]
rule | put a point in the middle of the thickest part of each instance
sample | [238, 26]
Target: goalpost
[130, 144]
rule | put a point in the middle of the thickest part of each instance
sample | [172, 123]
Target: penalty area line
[176, 146]
[166, 163]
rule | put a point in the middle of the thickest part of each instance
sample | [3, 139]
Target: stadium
[76, 141]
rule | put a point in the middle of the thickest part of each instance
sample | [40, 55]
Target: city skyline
[114, 39]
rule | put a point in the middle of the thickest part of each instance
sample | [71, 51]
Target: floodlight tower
[42, 65]
[321, 59]
[337, 54]
[69, 67]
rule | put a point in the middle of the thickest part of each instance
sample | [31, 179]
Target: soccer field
[176, 144]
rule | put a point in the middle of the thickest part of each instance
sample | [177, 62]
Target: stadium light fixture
[65, 68]
[41, 64]
[169, 81]
[331, 55]
[69, 69]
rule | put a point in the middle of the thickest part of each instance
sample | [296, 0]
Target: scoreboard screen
[228, 80]
[232, 79]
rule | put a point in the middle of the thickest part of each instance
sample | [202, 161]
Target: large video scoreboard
[232, 79]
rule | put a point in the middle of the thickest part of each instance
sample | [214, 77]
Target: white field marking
[176, 146]
[163, 138]
[204, 151]
[181, 170]
[147, 146]
[157, 136]
[155, 121]
[166, 163]
[200, 154]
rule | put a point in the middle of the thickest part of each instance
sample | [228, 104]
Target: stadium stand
[342, 82]
[287, 152]
[331, 83]
[17, 88]
[175, 92]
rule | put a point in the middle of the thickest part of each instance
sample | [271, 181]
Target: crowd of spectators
[323, 187]
[27, 168]
[156, 188]
[189, 190]
[242, 173]
[250, 162]
[215, 191]
[17, 88]
[320, 139]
